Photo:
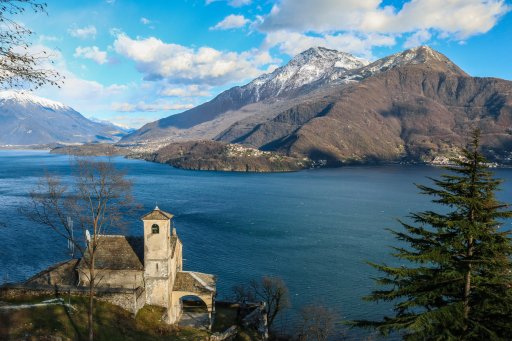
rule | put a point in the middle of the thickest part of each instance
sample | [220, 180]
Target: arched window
[155, 229]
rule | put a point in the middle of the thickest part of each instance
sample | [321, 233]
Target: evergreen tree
[456, 283]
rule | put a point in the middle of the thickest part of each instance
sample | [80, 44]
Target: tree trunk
[91, 299]
[469, 253]
[467, 284]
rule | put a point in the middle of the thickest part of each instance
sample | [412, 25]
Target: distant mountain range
[331, 106]
[26, 119]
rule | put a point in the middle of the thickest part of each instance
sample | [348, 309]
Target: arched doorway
[195, 286]
[195, 313]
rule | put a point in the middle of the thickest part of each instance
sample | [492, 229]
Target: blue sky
[132, 62]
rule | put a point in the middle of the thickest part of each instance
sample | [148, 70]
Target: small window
[155, 229]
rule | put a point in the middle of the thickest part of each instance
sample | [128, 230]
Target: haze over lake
[315, 229]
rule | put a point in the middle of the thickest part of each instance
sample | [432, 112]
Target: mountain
[209, 119]
[330, 106]
[26, 119]
[122, 129]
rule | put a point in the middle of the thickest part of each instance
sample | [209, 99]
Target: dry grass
[111, 323]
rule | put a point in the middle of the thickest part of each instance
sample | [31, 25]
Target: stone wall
[129, 279]
[131, 300]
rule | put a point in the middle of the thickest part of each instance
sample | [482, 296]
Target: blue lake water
[315, 229]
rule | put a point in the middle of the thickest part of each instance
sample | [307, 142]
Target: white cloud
[457, 18]
[239, 3]
[232, 3]
[293, 43]
[151, 107]
[131, 120]
[44, 38]
[417, 39]
[230, 22]
[462, 18]
[83, 32]
[318, 16]
[340, 22]
[149, 23]
[114, 32]
[193, 90]
[183, 65]
[77, 92]
[91, 52]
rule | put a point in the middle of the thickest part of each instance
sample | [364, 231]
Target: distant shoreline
[27, 147]
[203, 162]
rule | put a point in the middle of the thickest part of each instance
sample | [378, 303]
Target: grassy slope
[111, 323]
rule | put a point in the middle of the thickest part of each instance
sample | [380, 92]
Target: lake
[315, 229]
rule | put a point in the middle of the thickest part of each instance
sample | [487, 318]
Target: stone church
[134, 271]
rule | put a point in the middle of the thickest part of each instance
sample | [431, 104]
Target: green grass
[111, 323]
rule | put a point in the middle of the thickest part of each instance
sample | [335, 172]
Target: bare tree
[19, 66]
[317, 323]
[243, 293]
[271, 290]
[97, 201]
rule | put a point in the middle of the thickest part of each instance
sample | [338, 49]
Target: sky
[132, 62]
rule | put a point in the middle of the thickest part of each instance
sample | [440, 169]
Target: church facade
[152, 265]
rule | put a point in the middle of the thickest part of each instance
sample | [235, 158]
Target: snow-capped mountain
[26, 119]
[306, 68]
[421, 55]
[27, 99]
[113, 126]
[332, 107]
[234, 115]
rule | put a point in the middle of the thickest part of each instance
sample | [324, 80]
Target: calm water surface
[315, 229]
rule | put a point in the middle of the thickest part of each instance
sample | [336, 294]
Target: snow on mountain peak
[26, 98]
[416, 55]
[307, 67]
[323, 55]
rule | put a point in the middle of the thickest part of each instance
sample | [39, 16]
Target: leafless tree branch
[98, 200]
[20, 67]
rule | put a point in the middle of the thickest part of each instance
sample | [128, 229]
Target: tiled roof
[157, 214]
[59, 274]
[118, 253]
[195, 282]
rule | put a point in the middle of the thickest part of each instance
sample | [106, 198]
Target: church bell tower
[157, 257]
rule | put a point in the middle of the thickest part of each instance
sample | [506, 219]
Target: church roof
[63, 273]
[195, 282]
[157, 214]
[118, 253]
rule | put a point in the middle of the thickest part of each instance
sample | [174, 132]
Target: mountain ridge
[416, 104]
[27, 119]
[261, 88]
[319, 64]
